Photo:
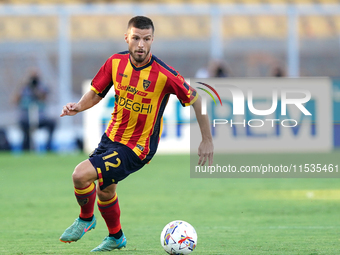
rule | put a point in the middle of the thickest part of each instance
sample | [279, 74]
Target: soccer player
[142, 84]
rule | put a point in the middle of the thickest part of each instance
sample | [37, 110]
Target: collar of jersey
[138, 68]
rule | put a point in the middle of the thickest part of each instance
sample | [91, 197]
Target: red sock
[111, 213]
[86, 198]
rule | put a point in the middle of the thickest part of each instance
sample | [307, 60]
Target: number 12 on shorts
[109, 164]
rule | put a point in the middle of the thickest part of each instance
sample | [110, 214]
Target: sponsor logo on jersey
[131, 90]
[122, 74]
[133, 106]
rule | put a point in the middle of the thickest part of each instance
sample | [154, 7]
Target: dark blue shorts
[113, 162]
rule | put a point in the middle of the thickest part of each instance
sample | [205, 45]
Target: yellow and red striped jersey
[141, 94]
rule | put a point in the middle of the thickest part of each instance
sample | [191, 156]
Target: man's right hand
[70, 109]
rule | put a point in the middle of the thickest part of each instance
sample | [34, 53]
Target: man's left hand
[206, 152]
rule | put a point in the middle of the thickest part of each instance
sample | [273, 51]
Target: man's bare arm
[88, 100]
[206, 148]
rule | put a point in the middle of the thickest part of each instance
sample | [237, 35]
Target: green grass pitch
[231, 216]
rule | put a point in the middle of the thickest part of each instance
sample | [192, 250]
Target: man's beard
[139, 59]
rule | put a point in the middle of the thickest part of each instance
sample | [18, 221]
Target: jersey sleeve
[102, 82]
[184, 92]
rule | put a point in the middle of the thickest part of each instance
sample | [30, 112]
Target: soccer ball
[178, 237]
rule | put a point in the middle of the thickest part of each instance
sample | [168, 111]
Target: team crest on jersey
[146, 84]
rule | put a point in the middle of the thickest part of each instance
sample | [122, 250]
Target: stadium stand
[94, 27]
[28, 28]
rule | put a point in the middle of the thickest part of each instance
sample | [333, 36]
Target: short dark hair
[141, 22]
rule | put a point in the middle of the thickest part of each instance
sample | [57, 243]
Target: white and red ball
[179, 238]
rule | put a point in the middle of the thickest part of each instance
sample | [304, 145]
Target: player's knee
[107, 193]
[103, 196]
[79, 177]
